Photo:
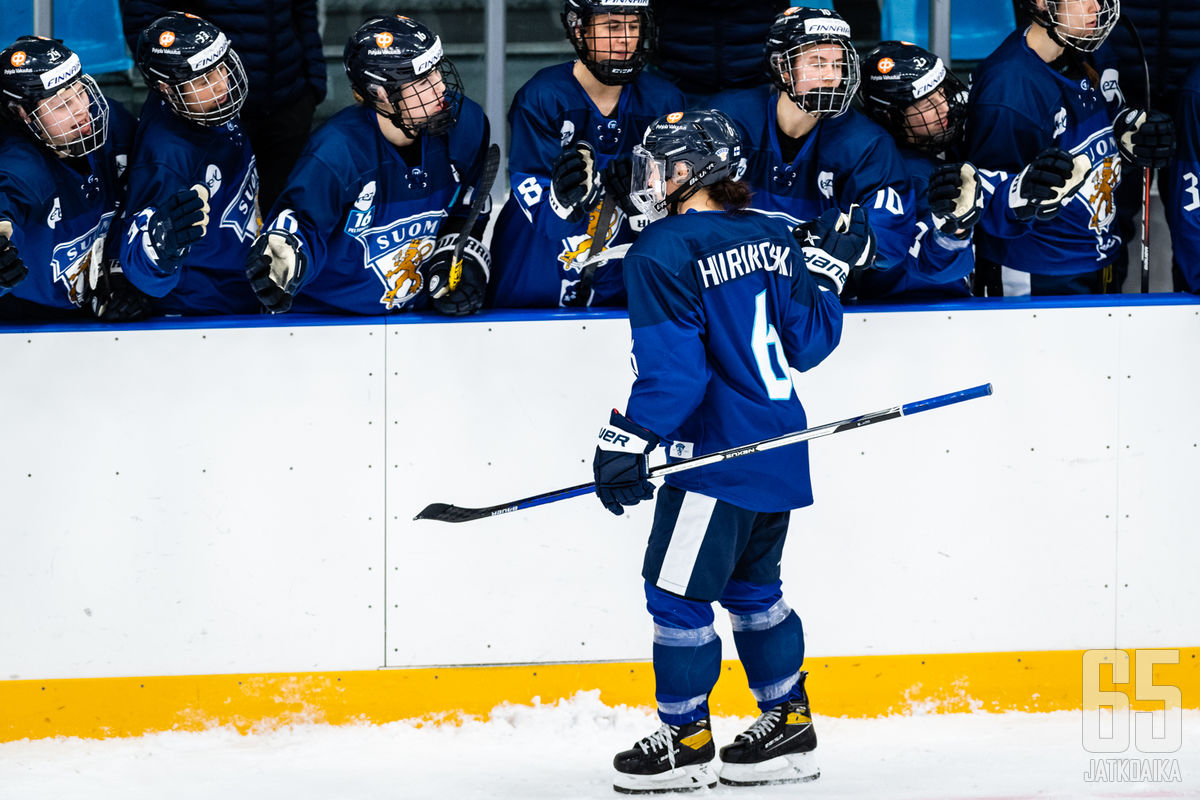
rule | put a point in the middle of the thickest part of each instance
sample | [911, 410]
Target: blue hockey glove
[1047, 183]
[622, 463]
[12, 268]
[178, 224]
[574, 182]
[955, 198]
[1147, 138]
[835, 243]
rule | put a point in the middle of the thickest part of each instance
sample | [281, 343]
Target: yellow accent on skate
[697, 739]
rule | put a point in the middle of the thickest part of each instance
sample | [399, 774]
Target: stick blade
[445, 512]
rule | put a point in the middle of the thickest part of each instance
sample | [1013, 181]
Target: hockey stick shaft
[591, 261]
[445, 512]
[1137, 41]
[483, 191]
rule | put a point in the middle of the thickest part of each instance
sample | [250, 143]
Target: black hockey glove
[1047, 183]
[955, 199]
[464, 296]
[178, 224]
[111, 297]
[835, 243]
[276, 267]
[617, 178]
[1147, 138]
[622, 463]
[12, 268]
[574, 183]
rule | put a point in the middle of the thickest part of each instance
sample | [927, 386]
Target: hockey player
[1053, 84]
[570, 123]
[909, 91]
[807, 151]
[192, 209]
[722, 304]
[1183, 184]
[62, 157]
[373, 211]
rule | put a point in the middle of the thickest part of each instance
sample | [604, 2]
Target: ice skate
[777, 748]
[675, 758]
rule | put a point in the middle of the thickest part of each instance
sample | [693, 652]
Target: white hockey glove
[276, 267]
[835, 243]
[12, 268]
[176, 225]
[574, 182]
[955, 198]
[1047, 183]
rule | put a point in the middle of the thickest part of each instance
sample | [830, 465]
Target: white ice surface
[565, 751]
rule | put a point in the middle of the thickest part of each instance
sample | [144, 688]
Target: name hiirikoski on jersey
[394, 252]
[731, 264]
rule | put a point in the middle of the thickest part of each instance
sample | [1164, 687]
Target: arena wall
[210, 522]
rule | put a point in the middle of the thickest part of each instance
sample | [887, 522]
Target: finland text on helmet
[909, 91]
[396, 66]
[190, 63]
[1079, 24]
[813, 60]
[43, 88]
[613, 38]
[681, 153]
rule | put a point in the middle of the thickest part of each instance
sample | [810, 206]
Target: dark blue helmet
[909, 91]
[692, 149]
[190, 63]
[597, 45]
[812, 59]
[44, 89]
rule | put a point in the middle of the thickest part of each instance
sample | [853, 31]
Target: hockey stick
[1137, 41]
[583, 289]
[482, 192]
[444, 512]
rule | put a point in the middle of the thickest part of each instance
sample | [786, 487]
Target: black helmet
[576, 17]
[798, 31]
[898, 76]
[1080, 31]
[44, 88]
[692, 148]
[395, 52]
[190, 63]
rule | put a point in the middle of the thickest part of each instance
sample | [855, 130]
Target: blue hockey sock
[769, 638]
[687, 655]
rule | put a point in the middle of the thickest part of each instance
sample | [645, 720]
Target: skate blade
[682, 779]
[792, 768]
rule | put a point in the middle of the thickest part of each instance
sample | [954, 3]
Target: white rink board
[222, 500]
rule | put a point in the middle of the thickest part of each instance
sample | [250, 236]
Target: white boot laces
[661, 738]
[761, 726]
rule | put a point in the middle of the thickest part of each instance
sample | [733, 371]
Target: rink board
[236, 497]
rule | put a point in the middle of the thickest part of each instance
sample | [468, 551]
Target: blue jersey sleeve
[312, 205]
[880, 184]
[534, 146]
[469, 141]
[1183, 208]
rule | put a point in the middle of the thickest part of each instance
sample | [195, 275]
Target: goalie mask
[812, 59]
[43, 88]
[189, 62]
[396, 66]
[1079, 24]
[909, 91]
[680, 153]
[612, 38]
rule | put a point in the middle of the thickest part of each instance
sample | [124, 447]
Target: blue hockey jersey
[366, 218]
[1183, 185]
[936, 265]
[171, 154]
[62, 209]
[1020, 105]
[536, 254]
[843, 160]
[722, 308]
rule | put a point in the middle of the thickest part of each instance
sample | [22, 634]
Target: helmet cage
[213, 97]
[1081, 31]
[935, 120]
[804, 70]
[588, 34]
[429, 104]
[73, 121]
[691, 149]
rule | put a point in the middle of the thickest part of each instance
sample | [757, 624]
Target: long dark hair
[732, 195]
